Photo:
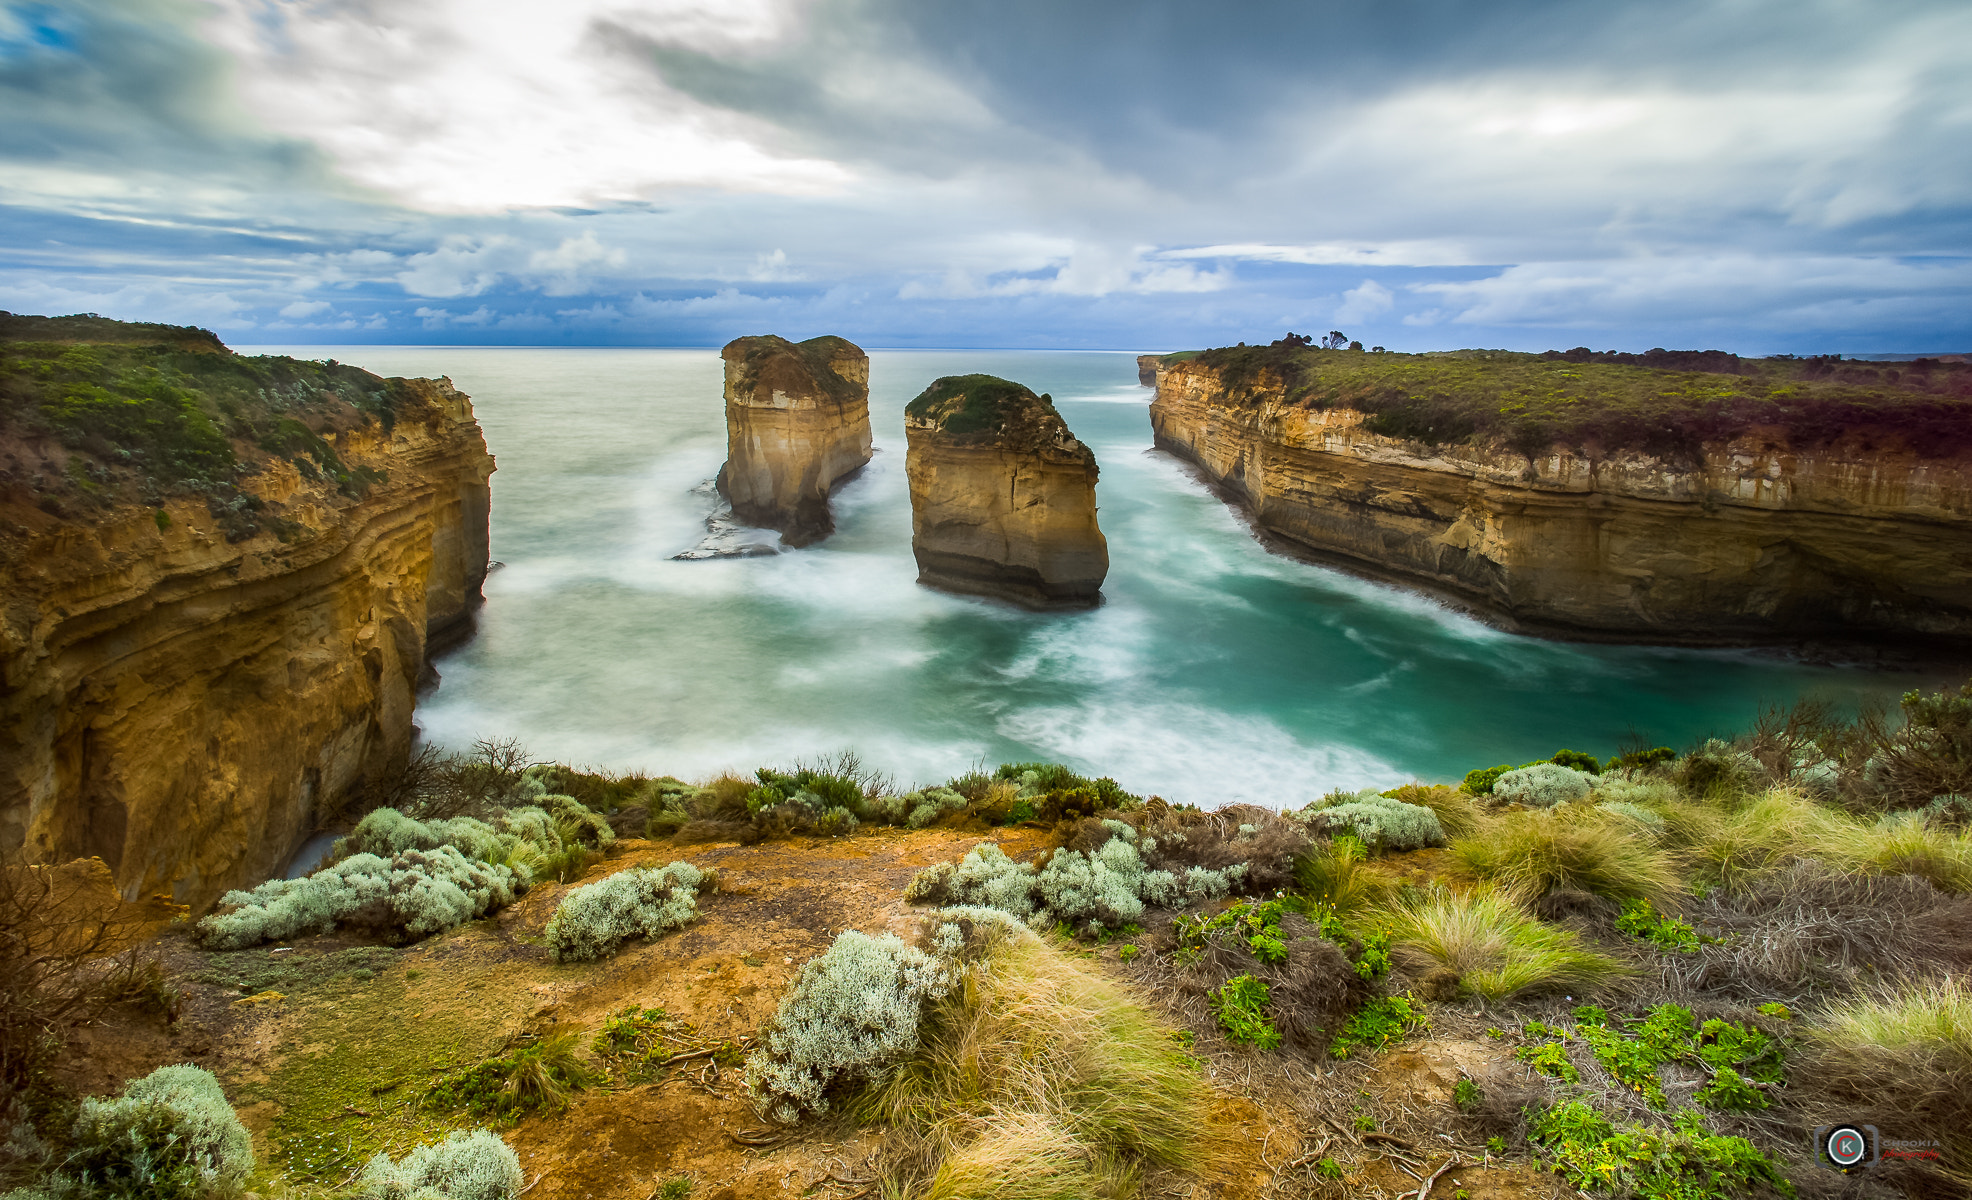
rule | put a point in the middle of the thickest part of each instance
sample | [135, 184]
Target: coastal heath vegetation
[1665, 403]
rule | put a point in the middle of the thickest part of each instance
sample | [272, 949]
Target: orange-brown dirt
[337, 1065]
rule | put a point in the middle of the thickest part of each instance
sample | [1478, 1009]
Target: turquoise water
[1215, 672]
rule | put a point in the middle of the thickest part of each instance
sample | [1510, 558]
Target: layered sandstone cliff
[1759, 534]
[191, 682]
[797, 424]
[1003, 498]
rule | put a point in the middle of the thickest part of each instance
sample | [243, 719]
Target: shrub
[1717, 769]
[465, 1166]
[642, 902]
[1497, 948]
[1457, 815]
[1377, 821]
[415, 894]
[847, 1018]
[1377, 1024]
[1542, 785]
[1109, 884]
[1241, 1007]
[1685, 1161]
[171, 1135]
[1533, 853]
[1480, 781]
[1585, 763]
[386, 833]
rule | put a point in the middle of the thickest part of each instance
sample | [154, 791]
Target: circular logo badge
[1846, 1146]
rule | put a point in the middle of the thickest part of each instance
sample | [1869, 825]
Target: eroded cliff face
[1755, 541]
[797, 424]
[1003, 499]
[184, 706]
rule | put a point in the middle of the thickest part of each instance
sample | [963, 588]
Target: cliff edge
[1003, 498]
[797, 424]
[222, 577]
[1684, 498]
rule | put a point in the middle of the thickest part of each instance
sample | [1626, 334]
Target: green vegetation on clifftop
[1665, 403]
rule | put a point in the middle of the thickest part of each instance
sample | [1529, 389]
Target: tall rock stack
[1003, 498]
[797, 424]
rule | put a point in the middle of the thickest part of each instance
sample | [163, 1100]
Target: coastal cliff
[1003, 499]
[216, 618]
[797, 424]
[1773, 503]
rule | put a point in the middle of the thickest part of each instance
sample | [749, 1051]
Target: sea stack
[1003, 498]
[797, 424]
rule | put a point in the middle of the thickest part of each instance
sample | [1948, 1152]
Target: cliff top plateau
[1667, 403]
[1649, 975]
[828, 366]
[94, 413]
[981, 410]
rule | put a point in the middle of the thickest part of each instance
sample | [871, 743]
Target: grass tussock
[1499, 950]
[1904, 1060]
[1332, 875]
[1575, 848]
[1457, 815]
[1038, 1077]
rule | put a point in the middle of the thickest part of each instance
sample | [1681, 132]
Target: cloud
[1361, 303]
[304, 308]
[1820, 293]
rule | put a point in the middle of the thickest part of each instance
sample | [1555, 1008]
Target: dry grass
[1038, 1077]
[1902, 1060]
[1574, 848]
[1331, 874]
[1745, 845]
[1499, 950]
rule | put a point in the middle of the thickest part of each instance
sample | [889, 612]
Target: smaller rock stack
[1003, 498]
[797, 424]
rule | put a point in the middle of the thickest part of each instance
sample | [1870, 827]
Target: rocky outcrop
[191, 683]
[1147, 369]
[1003, 498]
[1753, 540]
[797, 425]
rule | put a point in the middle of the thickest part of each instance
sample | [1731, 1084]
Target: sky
[1763, 176]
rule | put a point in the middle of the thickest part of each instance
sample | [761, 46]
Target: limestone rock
[1756, 541]
[1003, 498]
[797, 424]
[1147, 369]
[186, 700]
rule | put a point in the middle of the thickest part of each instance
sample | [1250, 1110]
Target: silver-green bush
[170, 1136]
[1542, 785]
[416, 893]
[465, 1166]
[1377, 820]
[593, 920]
[1110, 884]
[850, 1014]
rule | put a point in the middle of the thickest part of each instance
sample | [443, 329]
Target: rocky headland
[797, 425]
[1677, 498]
[1003, 497]
[222, 580]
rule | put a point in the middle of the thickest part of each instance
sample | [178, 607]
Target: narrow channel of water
[1215, 672]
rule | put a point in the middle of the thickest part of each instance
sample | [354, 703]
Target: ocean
[1215, 672]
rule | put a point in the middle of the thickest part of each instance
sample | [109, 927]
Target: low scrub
[474, 1165]
[1377, 821]
[540, 1074]
[412, 895]
[170, 1135]
[1109, 885]
[1685, 1161]
[1542, 785]
[1499, 950]
[642, 902]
